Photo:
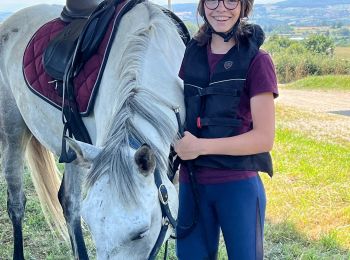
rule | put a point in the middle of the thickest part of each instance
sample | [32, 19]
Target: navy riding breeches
[237, 207]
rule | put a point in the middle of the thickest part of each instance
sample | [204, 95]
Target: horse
[111, 183]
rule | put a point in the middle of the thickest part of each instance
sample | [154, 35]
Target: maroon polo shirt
[261, 78]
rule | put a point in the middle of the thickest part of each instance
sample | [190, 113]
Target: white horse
[134, 106]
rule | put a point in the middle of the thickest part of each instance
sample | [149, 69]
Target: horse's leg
[14, 137]
[70, 199]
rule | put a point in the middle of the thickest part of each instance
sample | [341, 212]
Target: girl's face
[221, 18]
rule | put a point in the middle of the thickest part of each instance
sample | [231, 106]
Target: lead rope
[166, 249]
[195, 193]
[181, 131]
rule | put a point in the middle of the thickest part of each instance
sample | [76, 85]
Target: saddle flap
[94, 34]
[60, 50]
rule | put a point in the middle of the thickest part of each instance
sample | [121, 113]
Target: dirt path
[318, 101]
[324, 115]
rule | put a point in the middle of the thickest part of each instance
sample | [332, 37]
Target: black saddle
[78, 9]
[88, 31]
[65, 56]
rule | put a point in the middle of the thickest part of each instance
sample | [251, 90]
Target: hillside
[310, 3]
[289, 12]
[304, 13]
[278, 17]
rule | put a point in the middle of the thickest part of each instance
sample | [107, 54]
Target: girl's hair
[244, 28]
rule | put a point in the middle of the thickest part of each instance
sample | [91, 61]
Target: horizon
[10, 6]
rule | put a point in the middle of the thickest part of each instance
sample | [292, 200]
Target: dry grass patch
[342, 52]
[319, 125]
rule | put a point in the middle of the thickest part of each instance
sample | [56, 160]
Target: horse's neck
[160, 78]
[160, 64]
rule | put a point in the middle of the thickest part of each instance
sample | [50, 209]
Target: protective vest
[212, 103]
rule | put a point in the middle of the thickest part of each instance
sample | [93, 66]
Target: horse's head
[123, 208]
[125, 226]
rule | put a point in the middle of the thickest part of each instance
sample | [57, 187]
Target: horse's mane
[114, 159]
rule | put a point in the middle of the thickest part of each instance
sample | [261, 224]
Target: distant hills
[303, 13]
[284, 13]
[288, 12]
[310, 3]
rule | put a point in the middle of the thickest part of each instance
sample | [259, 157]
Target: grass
[328, 82]
[38, 238]
[311, 187]
[308, 210]
[39, 242]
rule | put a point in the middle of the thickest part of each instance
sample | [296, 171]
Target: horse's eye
[140, 235]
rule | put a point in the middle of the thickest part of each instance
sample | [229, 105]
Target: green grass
[308, 212]
[328, 82]
[39, 242]
[308, 209]
[311, 186]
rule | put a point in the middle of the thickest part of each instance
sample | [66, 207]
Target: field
[343, 52]
[325, 83]
[339, 33]
[308, 212]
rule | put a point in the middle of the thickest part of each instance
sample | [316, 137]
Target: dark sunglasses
[229, 4]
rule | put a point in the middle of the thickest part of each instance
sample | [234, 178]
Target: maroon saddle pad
[86, 83]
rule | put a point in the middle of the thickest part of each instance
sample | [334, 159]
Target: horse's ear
[145, 160]
[86, 153]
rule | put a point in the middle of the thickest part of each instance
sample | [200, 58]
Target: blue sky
[13, 5]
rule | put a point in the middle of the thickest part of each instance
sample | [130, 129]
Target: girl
[229, 87]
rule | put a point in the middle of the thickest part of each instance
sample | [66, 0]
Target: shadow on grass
[283, 241]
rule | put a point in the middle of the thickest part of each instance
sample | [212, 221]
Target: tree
[319, 43]
[276, 44]
[192, 28]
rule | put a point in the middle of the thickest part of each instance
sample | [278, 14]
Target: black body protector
[212, 103]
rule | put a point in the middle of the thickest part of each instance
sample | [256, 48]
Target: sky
[12, 5]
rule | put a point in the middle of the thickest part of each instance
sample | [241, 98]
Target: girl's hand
[188, 147]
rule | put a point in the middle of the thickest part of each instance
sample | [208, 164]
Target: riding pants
[237, 207]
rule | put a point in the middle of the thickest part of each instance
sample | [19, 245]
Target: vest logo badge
[228, 64]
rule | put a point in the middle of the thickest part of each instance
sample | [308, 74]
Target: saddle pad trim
[24, 62]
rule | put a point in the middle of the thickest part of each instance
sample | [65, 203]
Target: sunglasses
[229, 4]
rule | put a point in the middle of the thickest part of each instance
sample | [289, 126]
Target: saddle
[78, 9]
[67, 53]
[88, 30]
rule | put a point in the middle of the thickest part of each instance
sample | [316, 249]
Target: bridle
[167, 218]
